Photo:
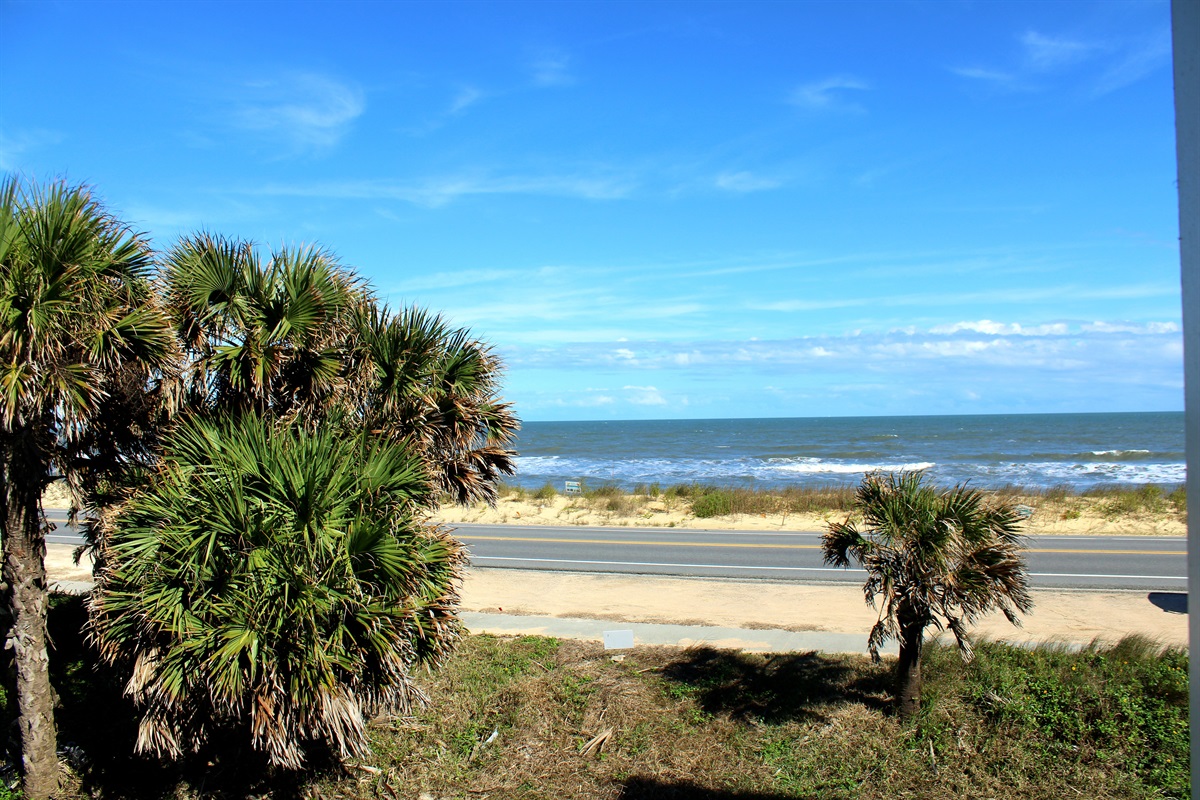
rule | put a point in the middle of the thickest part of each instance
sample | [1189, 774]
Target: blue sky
[667, 210]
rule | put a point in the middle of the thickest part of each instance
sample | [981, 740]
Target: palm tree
[301, 337]
[278, 583]
[416, 378]
[82, 345]
[944, 559]
[264, 337]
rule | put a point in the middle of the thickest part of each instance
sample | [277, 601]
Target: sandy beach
[1076, 515]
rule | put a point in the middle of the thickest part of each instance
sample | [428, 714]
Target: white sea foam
[816, 465]
[535, 470]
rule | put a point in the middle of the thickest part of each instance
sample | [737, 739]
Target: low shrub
[713, 504]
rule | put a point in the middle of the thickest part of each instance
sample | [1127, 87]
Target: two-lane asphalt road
[1100, 562]
[1075, 562]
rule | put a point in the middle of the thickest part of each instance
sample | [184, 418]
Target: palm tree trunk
[25, 575]
[908, 670]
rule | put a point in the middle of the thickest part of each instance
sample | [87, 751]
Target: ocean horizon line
[1080, 449]
[856, 416]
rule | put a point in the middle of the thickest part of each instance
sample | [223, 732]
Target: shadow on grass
[1171, 602]
[777, 688]
[656, 789]
[97, 729]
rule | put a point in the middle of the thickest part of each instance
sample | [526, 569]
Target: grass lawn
[540, 718]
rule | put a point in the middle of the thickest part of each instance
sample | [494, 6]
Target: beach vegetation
[106, 362]
[546, 493]
[83, 353]
[1160, 505]
[712, 504]
[934, 558]
[541, 718]
[277, 587]
[295, 335]
[1128, 501]
[1178, 499]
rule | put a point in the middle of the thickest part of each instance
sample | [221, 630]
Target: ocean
[1037, 450]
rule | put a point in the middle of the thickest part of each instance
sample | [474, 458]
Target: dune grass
[707, 500]
[535, 718]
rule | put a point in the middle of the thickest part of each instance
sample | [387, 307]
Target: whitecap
[817, 465]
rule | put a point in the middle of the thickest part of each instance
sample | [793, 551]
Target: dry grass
[564, 720]
[542, 719]
[705, 501]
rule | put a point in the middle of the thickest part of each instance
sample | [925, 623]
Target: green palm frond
[277, 581]
[941, 559]
[82, 332]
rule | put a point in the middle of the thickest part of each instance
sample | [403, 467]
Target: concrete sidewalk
[747, 639]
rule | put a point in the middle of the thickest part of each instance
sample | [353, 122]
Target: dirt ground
[1077, 617]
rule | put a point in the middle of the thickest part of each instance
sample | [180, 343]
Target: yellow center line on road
[780, 546]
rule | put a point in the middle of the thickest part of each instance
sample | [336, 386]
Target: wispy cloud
[1060, 346]
[1002, 328]
[551, 67]
[829, 94]
[1044, 53]
[743, 182]
[1135, 62]
[1024, 295]
[15, 145]
[434, 192]
[466, 97]
[979, 73]
[1103, 64]
[645, 396]
[306, 111]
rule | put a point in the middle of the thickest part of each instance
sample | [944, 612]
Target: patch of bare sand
[1084, 516]
[61, 566]
[1077, 617]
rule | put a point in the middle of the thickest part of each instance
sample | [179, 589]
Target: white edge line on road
[1131, 577]
[793, 569]
[630, 530]
[654, 564]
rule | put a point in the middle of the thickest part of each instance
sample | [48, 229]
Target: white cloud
[466, 97]
[14, 146]
[1135, 63]
[450, 280]
[1060, 346]
[978, 73]
[438, 191]
[1104, 65]
[1149, 328]
[828, 94]
[552, 68]
[645, 396]
[1002, 329]
[1044, 53]
[745, 182]
[308, 111]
